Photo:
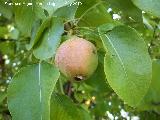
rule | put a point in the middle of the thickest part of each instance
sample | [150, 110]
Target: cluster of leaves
[127, 36]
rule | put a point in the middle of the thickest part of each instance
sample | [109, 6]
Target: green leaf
[52, 5]
[92, 13]
[108, 27]
[62, 108]
[7, 48]
[152, 99]
[3, 31]
[30, 91]
[50, 40]
[7, 33]
[127, 64]
[127, 8]
[84, 113]
[26, 15]
[101, 106]
[3, 95]
[150, 6]
[93, 35]
[5, 9]
[128, 12]
[37, 32]
[66, 12]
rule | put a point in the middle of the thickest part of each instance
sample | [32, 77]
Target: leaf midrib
[119, 57]
[40, 90]
[121, 61]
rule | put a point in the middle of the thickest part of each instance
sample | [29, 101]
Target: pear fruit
[76, 58]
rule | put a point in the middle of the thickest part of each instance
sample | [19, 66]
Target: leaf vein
[122, 64]
[39, 80]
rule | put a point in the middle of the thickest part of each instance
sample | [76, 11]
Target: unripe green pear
[76, 58]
